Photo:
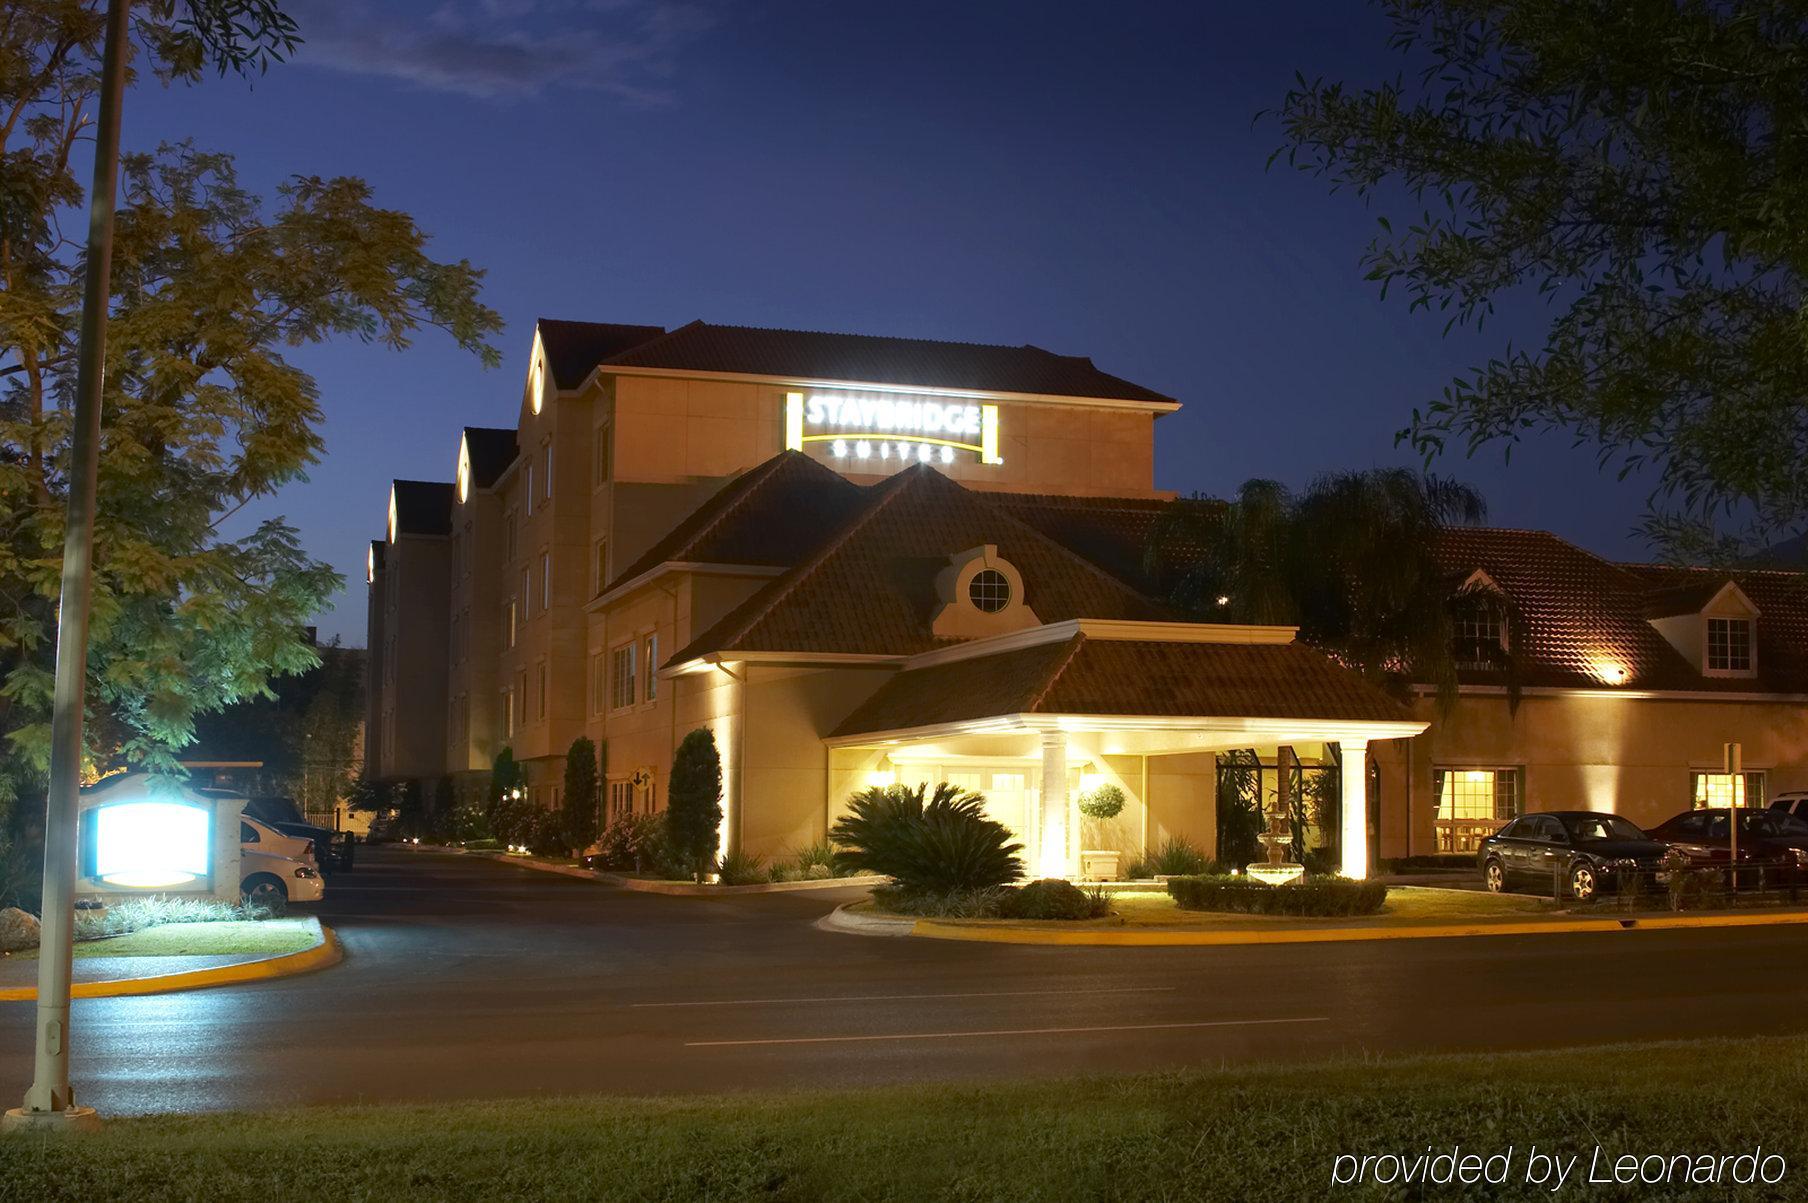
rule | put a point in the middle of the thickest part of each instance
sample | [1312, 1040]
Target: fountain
[1278, 839]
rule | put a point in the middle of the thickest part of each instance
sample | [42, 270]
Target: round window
[989, 591]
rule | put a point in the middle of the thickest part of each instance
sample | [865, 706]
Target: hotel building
[860, 559]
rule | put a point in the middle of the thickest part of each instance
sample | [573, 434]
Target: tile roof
[1583, 615]
[424, 507]
[574, 348]
[862, 358]
[773, 514]
[1116, 532]
[871, 587]
[1144, 678]
[492, 451]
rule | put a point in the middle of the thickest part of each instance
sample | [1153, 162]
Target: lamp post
[50, 1102]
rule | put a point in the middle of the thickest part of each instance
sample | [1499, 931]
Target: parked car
[257, 835]
[1792, 802]
[1587, 850]
[332, 849]
[274, 881]
[1765, 837]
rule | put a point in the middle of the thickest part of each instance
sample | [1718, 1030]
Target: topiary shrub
[1052, 898]
[1105, 802]
[945, 904]
[693, 813]
[1311, 896]
[936, 846]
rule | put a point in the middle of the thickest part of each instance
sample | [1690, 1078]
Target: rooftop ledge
[1054, 632]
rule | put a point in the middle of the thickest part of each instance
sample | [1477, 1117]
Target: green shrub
[938, 846]
[820, 853]
[1052, 898]
[136, 914]
[946, 904]
[784, 871]
[1105, 802]
[578, 820]
[741, 869]
[693, 814]
[818, 873]
[1176, 857]
[1314, 896]
[483, 845]
[627, 843]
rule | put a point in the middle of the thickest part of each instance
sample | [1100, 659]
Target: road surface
[469, 978]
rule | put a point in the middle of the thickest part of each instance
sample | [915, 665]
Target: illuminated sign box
[137, 836]
[898, 429]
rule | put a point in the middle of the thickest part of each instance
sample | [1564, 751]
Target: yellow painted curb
[289, 964]
[1168, 938]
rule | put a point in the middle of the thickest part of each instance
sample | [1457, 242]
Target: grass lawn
[270, 937]
[1269, 1133]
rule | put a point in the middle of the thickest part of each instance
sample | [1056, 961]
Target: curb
[1159, 938]
[289, 964]
[843, 920]
[693, 890]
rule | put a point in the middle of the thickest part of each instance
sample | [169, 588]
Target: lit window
[652, 666]
[1723, 789]
[1471, 803]
[1729, 645]
[511, 622]
[989, 591]
[621, 677]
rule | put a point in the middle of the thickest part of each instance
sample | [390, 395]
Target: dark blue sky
[1089, 178]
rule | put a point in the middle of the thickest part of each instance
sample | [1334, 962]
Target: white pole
[1355, 773]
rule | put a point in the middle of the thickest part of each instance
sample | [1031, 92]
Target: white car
[277, 869]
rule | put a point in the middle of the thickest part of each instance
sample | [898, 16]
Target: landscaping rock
[18, 930]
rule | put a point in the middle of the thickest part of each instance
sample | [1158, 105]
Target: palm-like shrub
[936, 844]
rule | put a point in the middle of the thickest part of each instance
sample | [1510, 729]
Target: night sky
[1089, 178]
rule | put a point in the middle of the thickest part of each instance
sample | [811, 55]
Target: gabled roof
[423, 507]
[1089, 676]
[492, 451]
[870, 589]
[1115, 532]
[574, 348]
[1584, 617]
[772, 515]
[858, 358]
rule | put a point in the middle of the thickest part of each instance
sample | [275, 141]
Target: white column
[1051, 843]
[1355, 807]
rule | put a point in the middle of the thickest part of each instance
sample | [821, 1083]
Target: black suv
[1585, 849]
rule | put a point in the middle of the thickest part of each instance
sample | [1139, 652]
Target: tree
[507, 809]
[579, 802]
[1352, 562]
[1630, 163]
[203, 413]
[693, 813]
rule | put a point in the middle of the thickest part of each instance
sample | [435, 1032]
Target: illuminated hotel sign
[147, 844]
[867, 426]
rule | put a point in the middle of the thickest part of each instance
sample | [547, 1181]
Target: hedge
[1314, 896]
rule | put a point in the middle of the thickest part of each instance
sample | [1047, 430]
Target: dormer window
[989, 590]
[1478, 638]
[1729, 645]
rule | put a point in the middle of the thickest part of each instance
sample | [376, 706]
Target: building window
[545, 581]
[540, 690]
[1729, 645]
[454, 639]
[509, 525]
[652, 666]
[508, 714]
[511, 622]
[527, 594]
[1471, 803]
[989, 591]
[602, 564]
[528, 481]
[603, 464]
[621, 798]
[1477, 637]
[621, 677]
[521, 698]
[546, 475]
[599, 684]
[1725, 789]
